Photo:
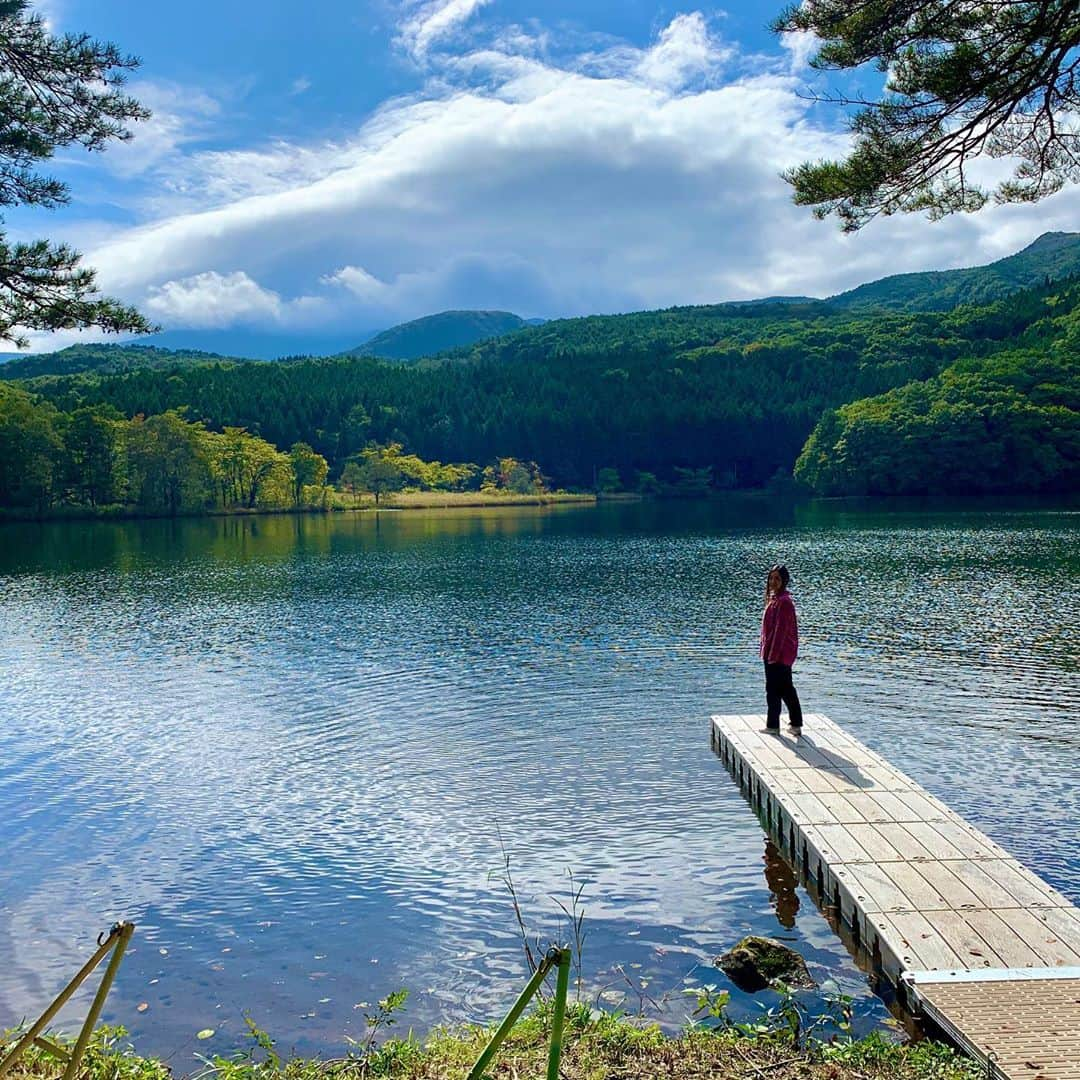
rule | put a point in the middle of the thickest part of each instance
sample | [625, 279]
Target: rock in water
[757, 962]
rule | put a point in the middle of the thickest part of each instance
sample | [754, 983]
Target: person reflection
[782, 885]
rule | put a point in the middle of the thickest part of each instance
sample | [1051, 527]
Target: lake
[294, 749]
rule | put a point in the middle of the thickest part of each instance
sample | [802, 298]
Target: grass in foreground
[597, 1047]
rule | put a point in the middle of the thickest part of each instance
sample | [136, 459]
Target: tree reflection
[782, 884]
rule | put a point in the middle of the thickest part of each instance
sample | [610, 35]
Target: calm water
[286, 748]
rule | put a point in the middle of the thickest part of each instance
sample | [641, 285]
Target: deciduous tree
[308, 470]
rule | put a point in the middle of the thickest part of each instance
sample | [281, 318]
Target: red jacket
[780, 631]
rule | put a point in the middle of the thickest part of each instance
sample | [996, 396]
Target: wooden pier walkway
[970, 938]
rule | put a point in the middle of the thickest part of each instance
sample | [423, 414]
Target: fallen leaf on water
[142, 1006]
[164, 952]
[206, 1033]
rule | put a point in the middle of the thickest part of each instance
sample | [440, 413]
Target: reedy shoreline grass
[435, 500]
[338, 502]
[598, 1046]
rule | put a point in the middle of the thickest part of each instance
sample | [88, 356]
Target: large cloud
[609, 180]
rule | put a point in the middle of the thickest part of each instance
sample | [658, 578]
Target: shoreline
[596, 1046]
[409, 500]
[463, 500]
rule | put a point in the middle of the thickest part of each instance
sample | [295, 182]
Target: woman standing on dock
[779, 647]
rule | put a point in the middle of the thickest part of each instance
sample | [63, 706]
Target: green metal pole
[57, 1004]
[511, 1017]
[126, 930]
[561, 986]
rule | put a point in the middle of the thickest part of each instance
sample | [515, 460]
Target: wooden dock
[970, 938]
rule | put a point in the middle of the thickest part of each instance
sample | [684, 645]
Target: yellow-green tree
[168, 464]
[247, 471]
[309, 469]
[30, 449]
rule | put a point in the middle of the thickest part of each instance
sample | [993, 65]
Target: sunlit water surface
[287, 748]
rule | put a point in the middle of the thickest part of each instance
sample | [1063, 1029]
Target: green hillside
[438, 333]
[1003, 422]
[734, 390]
[974, 399]
[105, 360]
[1053, 256]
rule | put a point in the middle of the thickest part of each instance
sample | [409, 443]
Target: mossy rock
[758, 962]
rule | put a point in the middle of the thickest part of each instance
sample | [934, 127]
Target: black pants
[779, 687]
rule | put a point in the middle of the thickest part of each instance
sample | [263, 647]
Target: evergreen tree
[965, 78]
[54, 92]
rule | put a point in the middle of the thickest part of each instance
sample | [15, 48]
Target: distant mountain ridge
[107, 360]
[1054, 255]
[438, 333]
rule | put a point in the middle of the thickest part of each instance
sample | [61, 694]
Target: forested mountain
[975, 399]
[1005, 421]
[737, 390]
[105, 360]
[438, 333]
[1053, 256]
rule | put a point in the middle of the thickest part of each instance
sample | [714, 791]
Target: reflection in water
[285, 746]
[783, 885]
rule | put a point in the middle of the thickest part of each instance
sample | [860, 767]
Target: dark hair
[785, 577]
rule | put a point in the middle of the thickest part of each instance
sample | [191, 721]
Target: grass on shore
[432, 500]
[596, 1047]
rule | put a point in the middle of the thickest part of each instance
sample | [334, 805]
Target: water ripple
[287, 748]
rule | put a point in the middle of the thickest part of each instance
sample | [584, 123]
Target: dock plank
[876, 889]
[909, 876]
[999, 935]
[926, 947]
[972, 948]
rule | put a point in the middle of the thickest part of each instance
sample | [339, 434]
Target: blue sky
[314, 173]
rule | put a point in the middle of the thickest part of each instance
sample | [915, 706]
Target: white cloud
[51, 12]
[179, 117]
[213, 300]
[300, 85]
[427, 23]
[800, 47]
[684, 52]
[359, 282]
[627, 178]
